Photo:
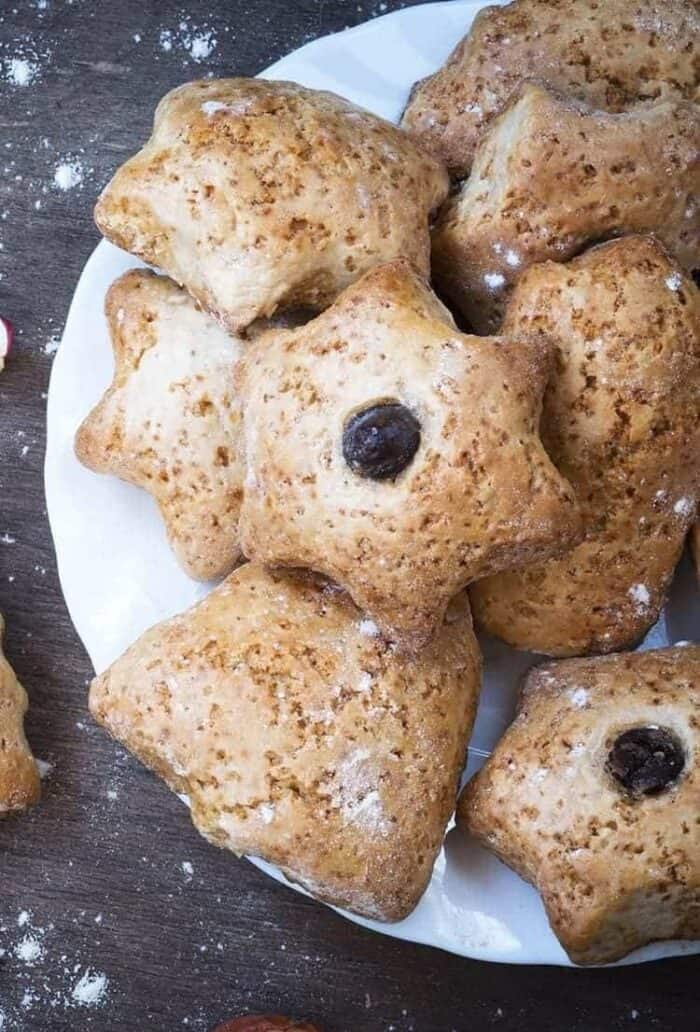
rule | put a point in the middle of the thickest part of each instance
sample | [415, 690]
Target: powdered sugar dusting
[68, 175]
[368, 628]
[673, 282]
[356, 795]
[683, 507]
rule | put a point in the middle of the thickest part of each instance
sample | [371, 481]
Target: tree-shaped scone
[256, 194]
[552, 176]
[614, 55]
[302, 736]
[19, 777]
[171, 422]
[621, 420]
[593, 795]
[397, 455]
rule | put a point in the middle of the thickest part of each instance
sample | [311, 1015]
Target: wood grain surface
[107, 876]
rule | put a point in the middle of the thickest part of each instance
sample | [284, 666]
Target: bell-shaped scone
[171, 422]
[302, 736]
[396, 455]
[614, 55]
[255, 195]
[553, 176]
[19, 776]
[621, 420]
[593, 795]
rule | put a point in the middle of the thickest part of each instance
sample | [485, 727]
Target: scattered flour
[683, 507]
[29, 950]
[578, 697]
[494, 280]
[51, 345]
[91, 988]
[198, 43]
[512, 258]
[187, 870]
[639, 593]
[20, 71]
[369, 628]
[210, 107]
[267, 812]
[45, 768]
[674, 281]
[68, 175]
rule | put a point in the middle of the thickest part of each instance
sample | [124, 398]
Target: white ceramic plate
[119, 576]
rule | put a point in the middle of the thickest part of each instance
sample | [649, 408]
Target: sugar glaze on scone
[301, 735]
[396, 455]
[552, 176]
[255, 195]
[621, 420]
[615, 55]
[19, 776]
[593, 795]
[171, 422]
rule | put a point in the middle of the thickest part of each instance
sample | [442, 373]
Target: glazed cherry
[646, 760]
[380, 441]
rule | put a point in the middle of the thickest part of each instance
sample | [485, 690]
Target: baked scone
[593, 795]
[621, 422]
[301, 735]
[256, 194]
[19, 776]
[396, 455]
[552, 176]
[171, 421]
[613, 55]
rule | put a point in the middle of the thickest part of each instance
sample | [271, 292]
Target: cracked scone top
[621, 422]
[256, 194]
[19, 777]
[396, 455]
[301, 735]
[170, 422]
[553, 175]
[593, 795]
[615, 55]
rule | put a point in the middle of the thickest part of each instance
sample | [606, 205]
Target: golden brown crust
[171, 422]
[302, 736]
[615, 872]
[620, 421]
[613, 55]
[19, 777]
[255, 195]
[480, 493]
[552, 176]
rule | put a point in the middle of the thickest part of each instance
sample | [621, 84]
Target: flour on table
[68, 175]
[90, 990]
[197, 43]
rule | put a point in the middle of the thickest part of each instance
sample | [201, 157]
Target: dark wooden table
[93, 880]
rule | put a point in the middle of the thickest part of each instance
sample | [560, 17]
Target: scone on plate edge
[593, 795]
[396, 455]
[614, 55]
[552, 176]
[19, 776]
[620, 421]
[301, 735]
[170, 421]
[255, 195]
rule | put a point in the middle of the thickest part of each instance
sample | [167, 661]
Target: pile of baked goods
[363, 465]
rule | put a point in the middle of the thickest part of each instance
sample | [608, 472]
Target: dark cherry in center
[380, 441]
[646, 760]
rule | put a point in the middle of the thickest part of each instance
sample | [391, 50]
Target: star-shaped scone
[552, 176]
[615, 55]
[256, 194]
[593, 795]
[302, 736]
[621, 420]
[171, 421]
[397, 455]
[19, 776]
